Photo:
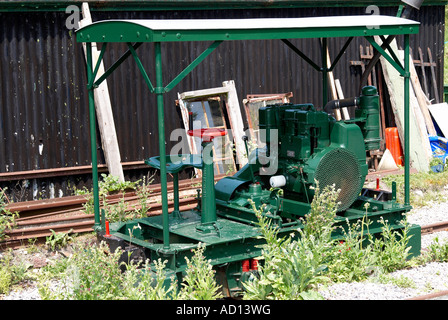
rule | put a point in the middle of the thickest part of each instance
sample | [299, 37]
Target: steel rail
[435, 227]
[431, 296]
[36, 218]
[81, 223]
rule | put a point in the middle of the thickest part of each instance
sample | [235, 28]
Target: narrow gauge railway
[435, 227]
[66, 214]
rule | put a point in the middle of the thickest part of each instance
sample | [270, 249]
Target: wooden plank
[420, 149]
[382, 111]
[203, 93]
[433, 76]
[334, 93]
[236, 122]
[425, 82]
[440, 114]
[103, 109]
[421, 98]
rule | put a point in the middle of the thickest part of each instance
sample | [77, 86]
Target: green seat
[176, 163]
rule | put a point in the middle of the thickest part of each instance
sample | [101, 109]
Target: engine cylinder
[369, 110]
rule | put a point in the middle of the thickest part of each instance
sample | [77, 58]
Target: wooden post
[236, 121]
[433, 76]
[103, 108]
[420, 149]
[421, 99]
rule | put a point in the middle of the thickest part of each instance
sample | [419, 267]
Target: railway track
[435, 227]
[66, 215]
[439, 295]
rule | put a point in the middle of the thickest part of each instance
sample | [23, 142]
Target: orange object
[394, 146]
[246, 265]
[107, 235]
[254, 264]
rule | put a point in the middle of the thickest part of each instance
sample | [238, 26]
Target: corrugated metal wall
[44, 109]
[42, 94]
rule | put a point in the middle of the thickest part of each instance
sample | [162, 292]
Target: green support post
[176, 211]
[406, 121]
[208, 206]
[161, 124]
[324, 72]
[92, 123]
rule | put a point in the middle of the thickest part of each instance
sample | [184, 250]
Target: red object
[254, 264]
[394, 146]
[207, 134]
[377, 183]
[246, 265]
[107, 235]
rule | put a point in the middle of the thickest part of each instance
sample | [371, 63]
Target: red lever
[107, 235]
[207, 134]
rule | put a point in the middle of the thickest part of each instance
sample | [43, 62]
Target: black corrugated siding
[43, 88]
[42, 94]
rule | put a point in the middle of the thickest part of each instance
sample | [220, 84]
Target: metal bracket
[392, 59]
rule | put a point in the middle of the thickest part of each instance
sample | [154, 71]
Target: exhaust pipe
[416, 4]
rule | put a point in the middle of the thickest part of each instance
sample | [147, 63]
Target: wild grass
[425, 187]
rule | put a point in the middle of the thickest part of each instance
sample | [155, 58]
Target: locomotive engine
[304, 146]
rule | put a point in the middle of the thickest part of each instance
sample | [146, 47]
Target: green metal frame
[135, 32]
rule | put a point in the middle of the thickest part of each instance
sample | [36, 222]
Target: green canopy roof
[244, 29]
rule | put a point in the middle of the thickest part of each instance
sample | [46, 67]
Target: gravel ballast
[426, 279]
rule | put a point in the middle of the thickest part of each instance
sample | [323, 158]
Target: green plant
[110, 183]
[92, 273]
[319, 221]
[58, 240]
[392, 249]
[143, 194]
[139, 284]
[435, 162]
[349, 260]
[360, 255]
[116, 212]
[292, 268]
[32, 247]
[12, 273]
[119, 210]
[5, 280]
[438, 251]
[199, 281]
[429, 183]
[7, 218]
